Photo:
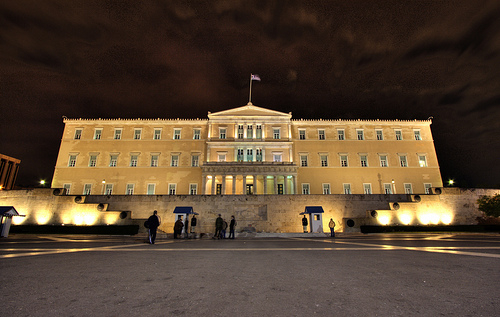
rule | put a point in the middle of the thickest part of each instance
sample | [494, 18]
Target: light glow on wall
[111, 218]
[405, 218]
[85, 218]
[42, 217]
[384, 219]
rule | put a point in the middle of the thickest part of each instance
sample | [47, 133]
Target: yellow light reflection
[111, 218]
[384, 219]
[85, 218]
[42, 217]
[18, 220]
[446, 218]
[405, 218]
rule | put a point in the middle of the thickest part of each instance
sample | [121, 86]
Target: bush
[490, 205]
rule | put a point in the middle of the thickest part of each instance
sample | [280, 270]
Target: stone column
[204, 185]
[234, 185]
[223, 185]
[213, 185]
[285, 186]
[255, 184]
[265, 184]
[244, 184]
[294, 184]
[275, 185]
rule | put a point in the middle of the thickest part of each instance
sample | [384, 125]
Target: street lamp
[42, 182]
[451, 182]
[103, 185]
[393, 187]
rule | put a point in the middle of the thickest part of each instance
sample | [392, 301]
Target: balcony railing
[248, 164]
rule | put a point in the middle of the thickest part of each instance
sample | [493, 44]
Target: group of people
[221, 227]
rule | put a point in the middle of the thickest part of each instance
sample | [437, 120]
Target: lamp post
[451, 182]
[103, 185]
[393, 187]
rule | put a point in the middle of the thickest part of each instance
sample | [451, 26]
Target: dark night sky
[318, 59]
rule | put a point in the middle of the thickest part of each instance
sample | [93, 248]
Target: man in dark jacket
[232, 225]
[178, 227]
[154, 223]
[218, 227]
[304, 223]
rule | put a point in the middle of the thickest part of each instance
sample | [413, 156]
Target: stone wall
[265, 213]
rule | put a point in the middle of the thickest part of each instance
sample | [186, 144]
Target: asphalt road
[358, 275]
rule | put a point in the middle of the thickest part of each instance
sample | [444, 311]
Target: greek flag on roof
[255, 77]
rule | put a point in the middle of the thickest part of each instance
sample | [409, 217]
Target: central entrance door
[249, 189]
[280, 189]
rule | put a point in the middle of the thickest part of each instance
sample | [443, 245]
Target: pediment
[249, 110]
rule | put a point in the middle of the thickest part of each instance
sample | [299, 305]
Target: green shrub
[490, 205]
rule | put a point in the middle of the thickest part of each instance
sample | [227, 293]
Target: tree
[490, 205]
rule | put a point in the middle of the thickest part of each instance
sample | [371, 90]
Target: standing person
[304, 223]
[178, 227]
[186, 225]
[224, 227]
[218, 227]
[331, 224]
[193, 223]
[154, 223]
[232, 224]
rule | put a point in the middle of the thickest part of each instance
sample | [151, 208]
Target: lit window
[347, 189]
[380, 135]
[367, 188]
[97, 134]
[326, 189]
[193, 189]
[321, 134]
[408, 189]
[324, 160]
[302, 134]
[154, 160]
[388, 188]
[276, 157]
[428, 188]
[249, 131]
[383, 161]
[151, 189]
[258, 131]
[402, 161]
[240, 155]
[157, 135]
[130, 189]
[196, 134]
[364, 160]
[222, 133]
[171, 189]
[303, 160]
[399, 135]
[422, 161]
[249, 155]
[174, 161]
[343, 161]
[341, 134]
[133, 160]
[87, 188]
[78, 134]
[240, 131]
[276, 134]
[72, 161]
[113, 160]
[258, 155]
[93, 160]
[221, 158]
[305, 189]
[67, 189]
[137, 134]
[177, 134]
[109, 189]
[360, 134]
[118, 134]
[418, 137]
[195, 160]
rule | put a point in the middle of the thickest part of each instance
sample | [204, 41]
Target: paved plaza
[352, 275]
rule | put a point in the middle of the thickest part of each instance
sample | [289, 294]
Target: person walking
[232, 225]
[218, 227]
[178, 227]
[154, 223]
[331, 224]
[304, 223]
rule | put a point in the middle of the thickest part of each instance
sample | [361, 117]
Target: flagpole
[250, 95]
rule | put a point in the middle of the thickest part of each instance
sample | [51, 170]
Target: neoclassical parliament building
[247, 150]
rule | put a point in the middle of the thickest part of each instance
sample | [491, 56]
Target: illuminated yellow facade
[246, 150]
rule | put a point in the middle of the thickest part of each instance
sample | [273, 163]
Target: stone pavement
[352, 275]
